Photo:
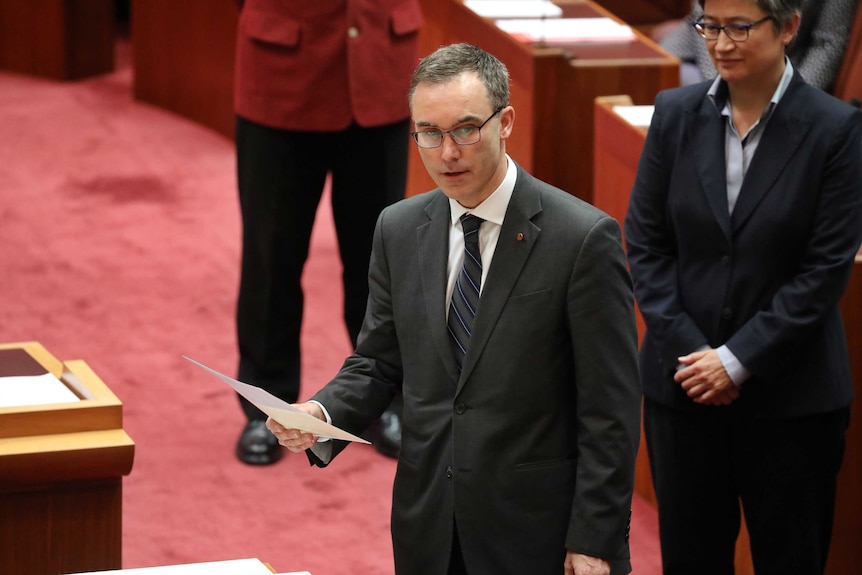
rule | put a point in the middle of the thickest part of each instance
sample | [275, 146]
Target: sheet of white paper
[514, 8]
[281, 411]
[230, 567]
[21, 390]
[636, 115]
[568, 29]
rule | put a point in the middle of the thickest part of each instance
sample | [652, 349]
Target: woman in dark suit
[742, 227]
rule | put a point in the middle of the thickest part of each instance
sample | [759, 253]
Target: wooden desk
[58, 39]
[618, 147]
[552, 88]
[648, 11]
[183, 58]
[845, 555]
[61, 468]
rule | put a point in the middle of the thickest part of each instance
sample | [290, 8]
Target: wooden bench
[848, 84]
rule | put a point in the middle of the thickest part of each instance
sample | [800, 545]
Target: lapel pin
[519, 237]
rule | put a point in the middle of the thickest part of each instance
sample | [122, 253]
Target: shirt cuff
[326, 415]
[737, 372]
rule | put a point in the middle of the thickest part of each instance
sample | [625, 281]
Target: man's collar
[493, 209]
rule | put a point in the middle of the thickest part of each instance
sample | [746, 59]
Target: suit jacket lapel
[433, 241]
[706, 134]
[784, 133]
[517, 237]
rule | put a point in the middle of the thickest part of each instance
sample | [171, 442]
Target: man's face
[465, 173]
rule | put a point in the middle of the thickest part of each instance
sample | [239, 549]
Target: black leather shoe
[385, 434]
[256, 445]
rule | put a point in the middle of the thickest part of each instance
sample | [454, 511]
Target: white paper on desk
[640, 116]
[230, 567]
[514, 8]
[281, 411]
[568, 29]
[23, 390]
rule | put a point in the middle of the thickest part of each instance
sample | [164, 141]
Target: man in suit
[519, 440]
[318, 92]
[742, 228]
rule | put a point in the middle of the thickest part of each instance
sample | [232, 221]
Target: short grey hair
[451, 61]
[781, 11]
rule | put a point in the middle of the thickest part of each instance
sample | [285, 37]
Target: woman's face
[758, 59]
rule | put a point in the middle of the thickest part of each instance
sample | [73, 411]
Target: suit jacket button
[353, 32]
[725, 261]
[449, 472]
[726, 313]
[460, 409]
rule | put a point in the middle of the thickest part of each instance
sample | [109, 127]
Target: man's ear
[507, 122]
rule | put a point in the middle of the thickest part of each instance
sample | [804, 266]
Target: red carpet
[119, 245]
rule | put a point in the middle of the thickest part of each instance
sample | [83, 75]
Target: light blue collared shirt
[738, 152]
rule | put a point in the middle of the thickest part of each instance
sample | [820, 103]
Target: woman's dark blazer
[765, 281]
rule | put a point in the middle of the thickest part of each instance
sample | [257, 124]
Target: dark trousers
[281, 175]
[783, 472]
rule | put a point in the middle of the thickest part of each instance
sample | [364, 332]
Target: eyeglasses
[466, 135]
[736, 32]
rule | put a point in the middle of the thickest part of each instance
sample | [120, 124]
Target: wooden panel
[62, 529]
[183, 58]
[58, 39]
[647, 11]
[845, 556]
[848, 84]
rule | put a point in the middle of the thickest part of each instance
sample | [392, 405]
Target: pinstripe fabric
[465, 297]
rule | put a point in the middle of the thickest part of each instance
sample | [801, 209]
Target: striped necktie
[465, 296]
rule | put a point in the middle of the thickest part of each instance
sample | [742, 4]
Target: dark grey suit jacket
[531, 448]
[765, 281]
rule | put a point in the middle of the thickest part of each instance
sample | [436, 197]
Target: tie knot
[470, 224]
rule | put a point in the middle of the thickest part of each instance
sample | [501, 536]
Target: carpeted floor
[119, 245]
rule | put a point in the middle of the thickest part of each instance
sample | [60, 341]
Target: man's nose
[449, 149]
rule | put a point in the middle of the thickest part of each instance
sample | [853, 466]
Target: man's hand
[294, 439]
[705, 380]
[577, 564]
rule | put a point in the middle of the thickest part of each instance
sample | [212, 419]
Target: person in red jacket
[320, 91]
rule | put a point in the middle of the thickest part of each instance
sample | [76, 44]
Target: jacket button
[726, 313]
[460, 409]
[449, 472]
[353, 32]
[725, 261]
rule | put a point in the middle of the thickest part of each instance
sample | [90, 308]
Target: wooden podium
[61, 468]
[618, 145]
